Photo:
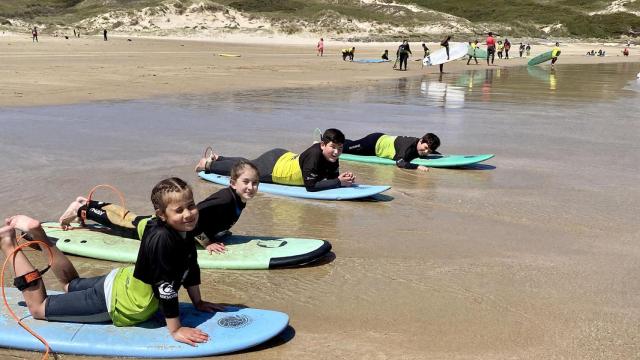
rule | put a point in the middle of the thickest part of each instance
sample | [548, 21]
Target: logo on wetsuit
[166, 291]
[235, 321]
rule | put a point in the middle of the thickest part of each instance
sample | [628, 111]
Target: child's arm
[196, 300]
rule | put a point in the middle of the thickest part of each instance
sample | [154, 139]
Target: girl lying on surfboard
[167, 260]
[402, 149]
[218, 213]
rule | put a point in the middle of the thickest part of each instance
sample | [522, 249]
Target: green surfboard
[540, 58]
[442, 161]
[242, 252]
[479, 53]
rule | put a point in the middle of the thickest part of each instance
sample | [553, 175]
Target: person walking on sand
[491, 48]
[34, 34]
[445, 44]
[473, 46]
[320, 47]
[427, 52]
[104, 34]
[554, 54]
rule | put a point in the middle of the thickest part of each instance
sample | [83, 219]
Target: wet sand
[533, 255]
[64, 71]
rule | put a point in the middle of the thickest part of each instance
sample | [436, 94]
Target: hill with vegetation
[341, 19]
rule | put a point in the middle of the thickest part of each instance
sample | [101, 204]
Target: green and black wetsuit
[279, 166]
[402, 149]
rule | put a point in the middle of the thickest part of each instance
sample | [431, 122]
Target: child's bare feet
[205, 162]
[71, 213]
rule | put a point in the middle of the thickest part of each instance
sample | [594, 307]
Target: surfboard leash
[4, 296]
[83, 213]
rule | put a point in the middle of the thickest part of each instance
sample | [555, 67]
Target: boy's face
[246, 185]
[181, 214]
[423, 148]
[331, 151]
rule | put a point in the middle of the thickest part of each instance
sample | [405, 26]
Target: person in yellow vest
[402, 149]
[348, 54]
[555, 52]
[473, 45]
[315, 168]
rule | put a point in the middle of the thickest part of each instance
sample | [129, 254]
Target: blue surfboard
[233, 330]
[370, 61]
[343, 193]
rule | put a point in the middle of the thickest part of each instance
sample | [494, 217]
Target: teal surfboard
[242, 252]
[232, 330]
[479, 53]
[443, 161]
[344, 193]
[544, 57]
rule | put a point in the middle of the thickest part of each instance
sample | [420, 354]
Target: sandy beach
[532, 255]
[75, 70]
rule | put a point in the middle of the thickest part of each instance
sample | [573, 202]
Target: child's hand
[190, 336]
[217, 247]
[423, 168]
[346, 179]
[22, 223]
[206, 306]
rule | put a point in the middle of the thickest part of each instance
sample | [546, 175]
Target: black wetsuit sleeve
[409, 49]
[218, 212]
[406, 151]
[317, 173]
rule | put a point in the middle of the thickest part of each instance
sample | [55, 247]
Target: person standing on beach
[521, 49]
[403, 54]
[104, 34]
[320, 47]
[445, 44]
[34, 34]
[426, 50]
[491, 48]
[507, 47]
[528, 49]
[500, 49]
[473, 46]
[555, 52]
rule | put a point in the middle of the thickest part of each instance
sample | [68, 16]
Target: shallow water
[531, 255]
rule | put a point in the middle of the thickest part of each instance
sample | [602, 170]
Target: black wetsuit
[403, 54]
[405, 148]
[218, 212]
[167, 261]
[317, 172]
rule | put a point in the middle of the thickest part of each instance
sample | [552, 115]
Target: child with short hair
[127, 296]
[315, 168]
[218, 212]
[402, 149]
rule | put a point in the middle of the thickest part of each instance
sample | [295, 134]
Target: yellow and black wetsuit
[279, 166]
[402, 149]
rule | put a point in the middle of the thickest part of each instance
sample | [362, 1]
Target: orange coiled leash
[83, 213]
[4, 296]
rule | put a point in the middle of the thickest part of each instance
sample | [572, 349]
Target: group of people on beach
[167, 258]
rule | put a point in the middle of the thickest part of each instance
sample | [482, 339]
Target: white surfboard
[456, 51]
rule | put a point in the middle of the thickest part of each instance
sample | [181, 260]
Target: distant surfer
[625, 52]
[401, 149]
[34, 34]
[385, 55]
[521, 49]
[403, 54]
[555, 52]
[528, 49]
[427, 52]
[491, 48]
[348, 53]
[473, 45]
[507, 47]
[320, 47]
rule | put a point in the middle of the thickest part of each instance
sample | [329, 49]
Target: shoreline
[59, 71]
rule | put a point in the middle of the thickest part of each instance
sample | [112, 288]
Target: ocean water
[532, 254]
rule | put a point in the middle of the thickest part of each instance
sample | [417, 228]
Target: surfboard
[357, 191]
[370, 61]
[242, 252]
[229, 55]
[442, 161]
[544, 57]
[479, 52]
[232, 330]
[456, 51]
